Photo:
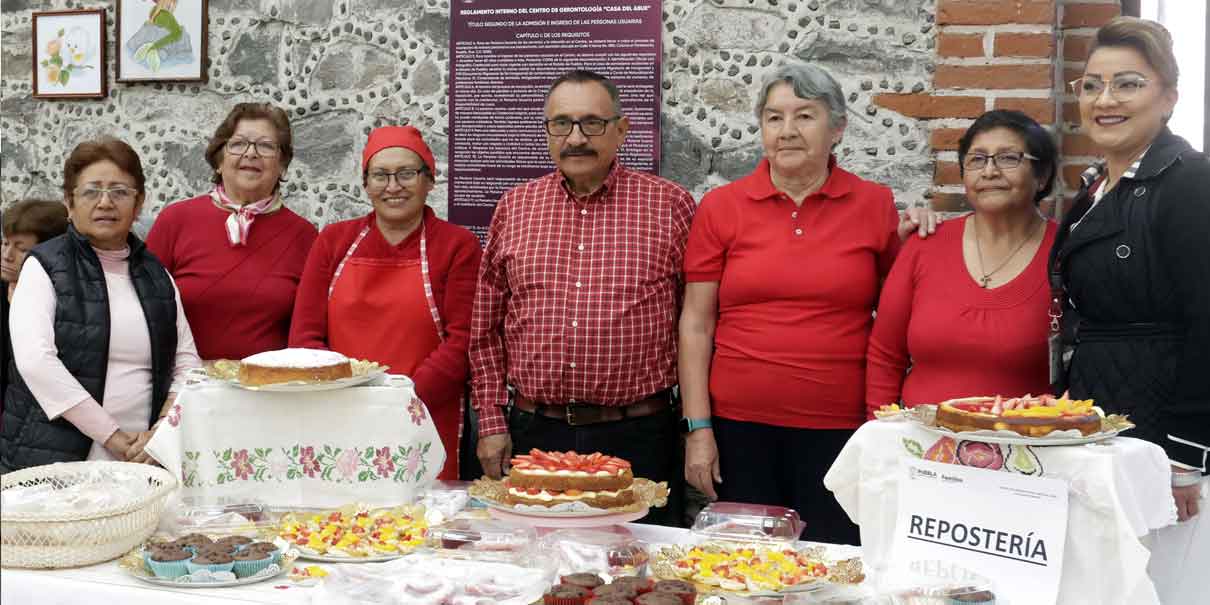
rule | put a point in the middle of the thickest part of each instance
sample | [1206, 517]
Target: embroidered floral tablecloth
[1118, 493]
[370, 444]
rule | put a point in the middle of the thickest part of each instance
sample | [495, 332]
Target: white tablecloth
[370, 444]
[107, 583]
[1119, 492]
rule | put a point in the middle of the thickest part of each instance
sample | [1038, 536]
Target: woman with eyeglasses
[1130, 271]
[100, 340]
[966, 309]
[397, 285]
[237, 252]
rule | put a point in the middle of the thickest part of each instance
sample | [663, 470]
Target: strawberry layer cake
[553, 478]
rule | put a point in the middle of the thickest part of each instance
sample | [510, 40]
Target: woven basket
[52, 540]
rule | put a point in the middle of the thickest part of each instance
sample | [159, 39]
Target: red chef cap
[406, 137]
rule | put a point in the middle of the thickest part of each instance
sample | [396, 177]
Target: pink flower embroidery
[413, 460]
[240, 464]
[174, 415]
[383, 463]
[416, 409]
[307, 460]
[346, 464]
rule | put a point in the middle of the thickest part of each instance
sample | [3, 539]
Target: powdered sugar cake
[293, 365]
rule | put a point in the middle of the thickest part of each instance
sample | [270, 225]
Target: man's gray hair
[584, 76]
[809, 82]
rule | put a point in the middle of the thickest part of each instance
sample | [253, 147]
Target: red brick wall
[1078, 25]
[1004, 54]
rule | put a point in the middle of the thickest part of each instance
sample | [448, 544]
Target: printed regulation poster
[503, 56]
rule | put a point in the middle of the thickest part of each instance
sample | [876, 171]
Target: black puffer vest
[28, 437]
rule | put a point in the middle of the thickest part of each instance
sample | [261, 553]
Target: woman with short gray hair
[783, 269]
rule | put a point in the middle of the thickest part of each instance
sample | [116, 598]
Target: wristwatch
[688, 425]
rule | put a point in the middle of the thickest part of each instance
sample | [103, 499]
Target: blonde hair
[1149, 38]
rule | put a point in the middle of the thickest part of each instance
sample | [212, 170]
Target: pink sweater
[128, 377]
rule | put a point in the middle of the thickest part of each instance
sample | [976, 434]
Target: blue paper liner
[244, 569]
[213, 568]
[168, 569]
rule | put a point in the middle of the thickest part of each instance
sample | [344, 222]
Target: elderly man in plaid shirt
[573, 335]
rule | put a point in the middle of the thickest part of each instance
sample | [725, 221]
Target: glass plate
[585, 518]
[307, 387]
[1011, 438]
[345, 559]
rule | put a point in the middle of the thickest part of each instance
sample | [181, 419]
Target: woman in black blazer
[1131, 268]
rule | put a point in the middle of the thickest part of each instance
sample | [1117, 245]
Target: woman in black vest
[1131, 267]
[99, 339]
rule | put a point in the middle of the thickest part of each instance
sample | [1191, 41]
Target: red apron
[383, 310]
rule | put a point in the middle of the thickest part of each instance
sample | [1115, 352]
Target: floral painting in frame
[161, 40]
[69, 54]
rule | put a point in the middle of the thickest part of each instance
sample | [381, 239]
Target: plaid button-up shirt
[578, 298]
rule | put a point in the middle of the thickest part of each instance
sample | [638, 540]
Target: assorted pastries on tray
[355, 533]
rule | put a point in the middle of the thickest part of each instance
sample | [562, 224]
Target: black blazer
[1136, 273]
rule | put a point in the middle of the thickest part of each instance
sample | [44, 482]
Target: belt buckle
[569, 414]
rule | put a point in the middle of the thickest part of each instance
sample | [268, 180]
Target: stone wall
[341, 68]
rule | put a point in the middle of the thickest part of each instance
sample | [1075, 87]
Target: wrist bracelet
[1186, 479]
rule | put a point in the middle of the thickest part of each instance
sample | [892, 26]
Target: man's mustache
[577, 151]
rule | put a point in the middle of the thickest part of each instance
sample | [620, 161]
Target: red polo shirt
[797, 288]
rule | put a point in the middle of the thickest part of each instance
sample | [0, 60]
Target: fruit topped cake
[290, 365]
[1029, 416]
[551, 478]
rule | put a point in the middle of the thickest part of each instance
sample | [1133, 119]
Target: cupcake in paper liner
[236, 541]
[250, 562]
[565, 594]
[212, 562]
[268, 548]
[152, 548]
[194, 541]
[168, 563]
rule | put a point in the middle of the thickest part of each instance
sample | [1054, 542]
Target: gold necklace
[985, 281]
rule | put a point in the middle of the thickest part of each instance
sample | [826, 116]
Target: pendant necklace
[986, 280]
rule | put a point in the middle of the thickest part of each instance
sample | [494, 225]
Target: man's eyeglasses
[379, 179]
[265, 149]
[1122, 88]
[1006, 160]
[119, 194]
[590, 127]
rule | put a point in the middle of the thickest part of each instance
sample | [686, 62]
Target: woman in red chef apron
[396, 286]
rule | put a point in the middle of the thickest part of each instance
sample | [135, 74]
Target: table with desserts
[324, 490]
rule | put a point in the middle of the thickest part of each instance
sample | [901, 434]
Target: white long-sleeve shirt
[127, 396]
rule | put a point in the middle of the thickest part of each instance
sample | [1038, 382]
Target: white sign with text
[1006, 527]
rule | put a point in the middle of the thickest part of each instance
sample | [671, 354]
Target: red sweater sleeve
[309, 323]
[887, 353]
[161, 236]
[891, 246]
[443, 374]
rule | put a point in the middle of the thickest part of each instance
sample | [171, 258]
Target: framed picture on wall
[69, 54]
[162, 40]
